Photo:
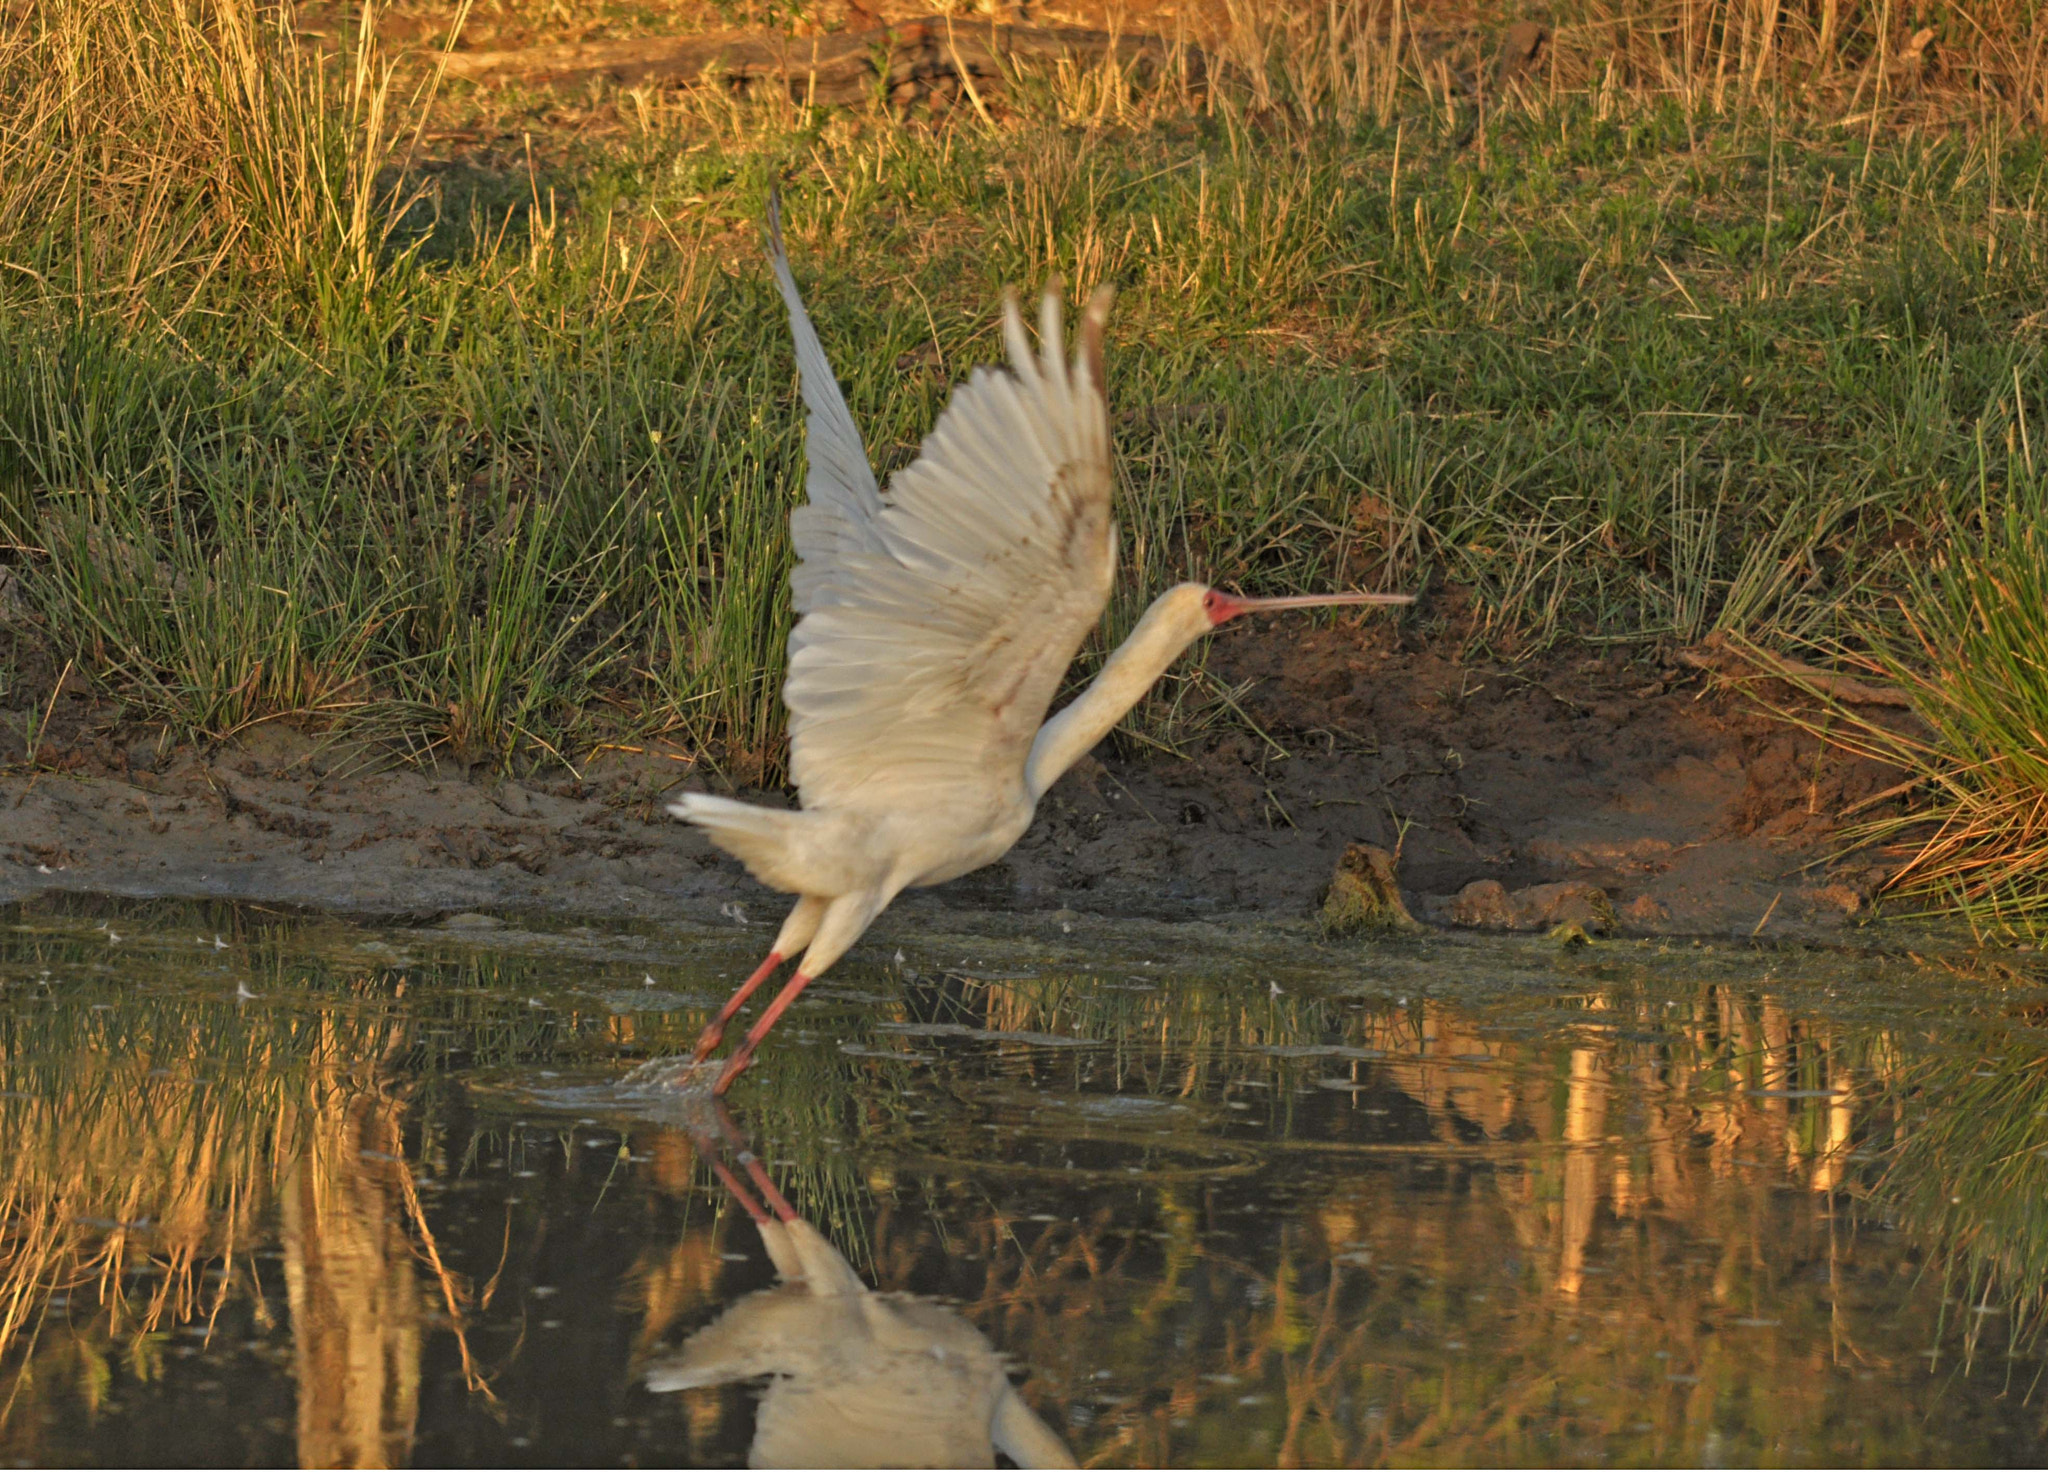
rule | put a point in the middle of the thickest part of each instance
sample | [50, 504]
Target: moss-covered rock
[1364, 896]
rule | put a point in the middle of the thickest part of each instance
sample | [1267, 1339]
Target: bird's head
[1218, 605]
[1187, 612]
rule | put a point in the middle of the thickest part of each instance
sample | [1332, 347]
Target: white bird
[934, 628]
[857, 1378]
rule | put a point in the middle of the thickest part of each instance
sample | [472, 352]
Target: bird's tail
[773, 844]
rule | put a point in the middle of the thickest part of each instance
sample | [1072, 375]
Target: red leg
[715, 1030]
[744, 1056]
[739, 1191]
[762, 1181]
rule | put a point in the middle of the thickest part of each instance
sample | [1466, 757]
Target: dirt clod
[1364, 895]
[1564, 903]
[1848, 900]
[1491, 906]
[1483, 904]
[1644, 912]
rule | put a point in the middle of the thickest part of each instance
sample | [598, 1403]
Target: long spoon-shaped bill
[1230, 606]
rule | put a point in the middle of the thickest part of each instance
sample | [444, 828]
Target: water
[288, 1191]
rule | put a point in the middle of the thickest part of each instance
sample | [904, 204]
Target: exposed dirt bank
[1692, 811]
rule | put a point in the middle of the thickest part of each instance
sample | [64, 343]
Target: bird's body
[856, 1378]
[934, 629]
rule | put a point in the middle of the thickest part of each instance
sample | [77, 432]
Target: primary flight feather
[934, 626]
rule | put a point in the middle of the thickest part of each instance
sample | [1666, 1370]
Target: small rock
[1364, 896]
[472, 921]
[1483, 904]
[143, 756]
[1520, 50]
[1490, 905]
[1082, 784]
[1563, 901]
[1847, 900]
[1645, 911]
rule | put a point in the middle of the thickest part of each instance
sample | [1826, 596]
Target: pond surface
[283, 1190]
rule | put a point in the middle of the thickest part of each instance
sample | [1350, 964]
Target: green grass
[1971, 650]
[494, 456]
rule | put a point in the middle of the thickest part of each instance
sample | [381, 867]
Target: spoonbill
[934, 627]
[857, 1378]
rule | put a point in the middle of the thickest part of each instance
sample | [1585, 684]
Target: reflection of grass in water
[809, 1102]
[1968, 1174]
[149, 1124]
[1688, 1230]
[1689, 1235]
[145, 1140]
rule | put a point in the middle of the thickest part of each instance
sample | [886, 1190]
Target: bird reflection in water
[856, 1377]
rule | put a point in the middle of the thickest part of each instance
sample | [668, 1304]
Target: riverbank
[1669, 790]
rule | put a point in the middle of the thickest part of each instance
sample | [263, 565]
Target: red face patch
[1219, 607]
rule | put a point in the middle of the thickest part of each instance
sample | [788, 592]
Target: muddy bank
[1688, 808]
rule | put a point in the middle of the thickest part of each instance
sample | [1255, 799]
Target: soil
[1666, 788]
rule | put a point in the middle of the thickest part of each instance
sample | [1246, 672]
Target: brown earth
[1692, 810]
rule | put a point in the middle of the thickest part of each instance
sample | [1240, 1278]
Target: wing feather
[935, 624]
[841, 484]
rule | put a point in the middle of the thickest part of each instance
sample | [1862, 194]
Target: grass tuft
[1971, 650]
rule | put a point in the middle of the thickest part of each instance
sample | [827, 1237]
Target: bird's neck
[1160, 637]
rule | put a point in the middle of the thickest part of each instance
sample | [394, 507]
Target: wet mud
[1689, 808]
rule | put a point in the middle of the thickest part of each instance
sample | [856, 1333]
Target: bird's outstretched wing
[934, 626]
[841, 486]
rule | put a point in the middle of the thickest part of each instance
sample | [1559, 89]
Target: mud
[1676, 796]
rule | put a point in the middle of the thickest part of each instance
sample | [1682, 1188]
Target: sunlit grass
[1696, 328]
[1967, 647]
[1685, 331]
[1978, 671]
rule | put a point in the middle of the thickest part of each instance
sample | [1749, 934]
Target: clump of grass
[1970, 648]
[1834, 58]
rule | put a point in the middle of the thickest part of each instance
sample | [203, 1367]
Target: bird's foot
[665, 1077]
[741, 1059]
[744, 1056]
[715, 1030]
